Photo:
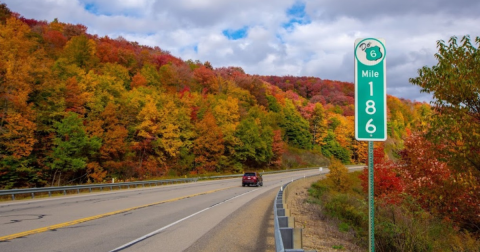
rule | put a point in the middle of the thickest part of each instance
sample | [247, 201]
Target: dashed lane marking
[74, 222]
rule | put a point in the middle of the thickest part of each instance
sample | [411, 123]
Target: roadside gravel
[318, 233]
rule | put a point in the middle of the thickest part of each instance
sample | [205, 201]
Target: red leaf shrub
[444, 192]
[387, 183]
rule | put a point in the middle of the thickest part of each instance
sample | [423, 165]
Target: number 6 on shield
[370, 126]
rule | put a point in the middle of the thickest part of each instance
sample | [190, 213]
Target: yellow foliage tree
[338, 176]
[80, 50]
[227, 115]
[318, 124]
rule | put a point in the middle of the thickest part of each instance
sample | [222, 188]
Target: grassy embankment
[398, 227]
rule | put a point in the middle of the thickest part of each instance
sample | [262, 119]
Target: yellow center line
[74, 222]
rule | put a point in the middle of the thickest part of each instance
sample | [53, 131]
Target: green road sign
[370, 90]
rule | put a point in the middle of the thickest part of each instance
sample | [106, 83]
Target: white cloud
[320, 44]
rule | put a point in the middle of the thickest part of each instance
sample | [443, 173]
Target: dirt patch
[319, 233]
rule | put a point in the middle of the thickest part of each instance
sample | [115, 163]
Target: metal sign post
[371, 205]
[370, 107]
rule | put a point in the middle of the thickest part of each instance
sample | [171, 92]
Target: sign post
[370, 107]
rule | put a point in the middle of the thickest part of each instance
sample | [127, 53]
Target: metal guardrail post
[287, 237]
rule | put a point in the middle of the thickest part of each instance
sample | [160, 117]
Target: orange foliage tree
[148, 113]
[208, 147]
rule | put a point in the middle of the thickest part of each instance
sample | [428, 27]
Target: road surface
[182, 217]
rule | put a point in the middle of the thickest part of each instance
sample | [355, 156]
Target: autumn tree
[273, 104]
[80, 50]
[106, 50]
[208, 146]
[75, 97]
[138, 81]
[437, 187]
[345, 131]
[255, 87]
[226, 112]
[338, 176]
[17, 141]
[333, 149]
[17, 118]
[150, 73]
[205, 77]
[19, 65]
[169, 135]
[296, 127]
[100, 90]
[359, 151]
[318, 124]
[256, 139]
[169, 77]
[118, 72]
[388, 184]
[72, 30]
[114, 144]
[188, 105]
[64, 91]
[5, 13]
[454, 83]
[55, 41]
[277, 148]
[159, 135]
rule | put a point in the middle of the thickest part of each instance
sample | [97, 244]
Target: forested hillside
[77, 108]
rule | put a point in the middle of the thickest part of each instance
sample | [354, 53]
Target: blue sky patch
[99, 10]
[297, 10]
[236, 34]
[297, 15]
[95, 10]
[90, 7]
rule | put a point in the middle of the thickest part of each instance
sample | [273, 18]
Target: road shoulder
[250, 228]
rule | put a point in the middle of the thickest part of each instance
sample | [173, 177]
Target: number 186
[370, 109]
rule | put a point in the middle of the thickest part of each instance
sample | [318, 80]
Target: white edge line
[174, 223]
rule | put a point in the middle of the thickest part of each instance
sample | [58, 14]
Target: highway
[165, 218]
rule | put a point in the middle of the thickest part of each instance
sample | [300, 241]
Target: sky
[277, 37]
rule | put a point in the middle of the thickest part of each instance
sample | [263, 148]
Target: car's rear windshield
[249, 174]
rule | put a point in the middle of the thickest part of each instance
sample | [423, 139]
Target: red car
[252, 178]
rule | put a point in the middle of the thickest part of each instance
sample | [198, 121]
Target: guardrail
[287, 237]
[268, 172]
[77, 188]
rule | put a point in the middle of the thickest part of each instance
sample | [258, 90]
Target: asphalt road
[182, 217]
